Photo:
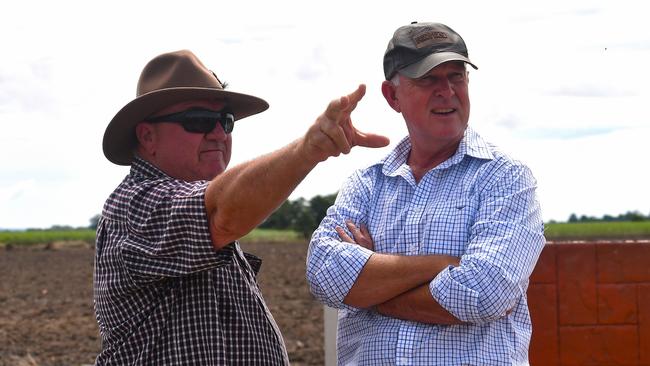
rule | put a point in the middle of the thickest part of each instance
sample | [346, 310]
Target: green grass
[598, 230]
[272, 235]
[554, 231]
[48, 236]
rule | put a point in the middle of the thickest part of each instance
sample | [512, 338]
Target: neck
[423, 158]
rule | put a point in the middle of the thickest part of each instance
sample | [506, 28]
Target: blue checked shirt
[479, 205]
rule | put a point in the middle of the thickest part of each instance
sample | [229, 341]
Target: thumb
[370, 140]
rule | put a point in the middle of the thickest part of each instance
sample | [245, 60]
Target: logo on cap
[427, 36]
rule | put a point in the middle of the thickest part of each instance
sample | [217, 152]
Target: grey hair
[395, 79]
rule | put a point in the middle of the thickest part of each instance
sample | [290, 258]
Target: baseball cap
[419, 47]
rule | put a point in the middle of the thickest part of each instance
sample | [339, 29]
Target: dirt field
[47, 318]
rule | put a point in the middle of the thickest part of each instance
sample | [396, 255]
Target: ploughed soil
[46, 305]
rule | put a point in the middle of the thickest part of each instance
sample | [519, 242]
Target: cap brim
[423, 66]
[119, 137]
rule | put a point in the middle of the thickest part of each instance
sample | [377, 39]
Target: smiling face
[185, 155]
[436, 106]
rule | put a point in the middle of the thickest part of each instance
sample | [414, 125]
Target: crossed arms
[397, 286]
[487, 281]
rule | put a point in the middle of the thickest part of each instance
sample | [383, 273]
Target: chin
[213, 173]
[456, 130]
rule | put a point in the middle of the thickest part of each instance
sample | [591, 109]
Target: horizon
[580, 217]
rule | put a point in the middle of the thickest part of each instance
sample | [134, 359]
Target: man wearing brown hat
[448, 228]
[172, 286]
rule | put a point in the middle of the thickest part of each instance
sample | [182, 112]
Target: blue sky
[562, 85]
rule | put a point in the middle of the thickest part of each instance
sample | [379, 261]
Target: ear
[146, 134]
[388, 89]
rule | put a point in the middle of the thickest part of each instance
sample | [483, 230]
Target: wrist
[306, 153]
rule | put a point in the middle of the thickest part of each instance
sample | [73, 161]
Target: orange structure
[590, 304]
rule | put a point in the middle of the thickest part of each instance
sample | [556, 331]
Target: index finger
[356, 95]
[349, 102]
[343, 235]
[345, 105]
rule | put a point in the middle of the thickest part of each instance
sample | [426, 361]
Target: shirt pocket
[445, 227]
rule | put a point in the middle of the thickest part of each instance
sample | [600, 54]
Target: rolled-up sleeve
[505, 242]
[333, 266]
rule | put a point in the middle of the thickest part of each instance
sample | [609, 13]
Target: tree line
[300, 215]
[304, 216]
[628, 216]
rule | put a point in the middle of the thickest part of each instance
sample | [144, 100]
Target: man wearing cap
[171, 284]
[448, 228]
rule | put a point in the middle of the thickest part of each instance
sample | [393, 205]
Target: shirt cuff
[461, 301]
[340, 271]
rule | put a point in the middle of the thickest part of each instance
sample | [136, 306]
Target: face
[435, 106]
[181, 154]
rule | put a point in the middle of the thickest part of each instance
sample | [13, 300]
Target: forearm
[240, 198]
[243, 196]
[419, 306]
[386, 276]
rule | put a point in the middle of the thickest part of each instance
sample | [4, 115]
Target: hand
[361, 235]
[333, 132]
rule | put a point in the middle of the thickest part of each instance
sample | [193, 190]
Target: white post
[330, 318]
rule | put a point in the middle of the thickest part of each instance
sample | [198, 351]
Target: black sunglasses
[199, 120]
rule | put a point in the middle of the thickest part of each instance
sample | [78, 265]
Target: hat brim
[120, 139]
[418, 69]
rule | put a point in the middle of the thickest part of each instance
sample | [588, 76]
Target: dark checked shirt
[163, 294]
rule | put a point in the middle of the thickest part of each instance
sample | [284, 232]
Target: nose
[444, 88]
[217, 133]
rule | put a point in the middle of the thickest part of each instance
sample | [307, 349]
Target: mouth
[443, 111]
[211, 151]
[212, 148]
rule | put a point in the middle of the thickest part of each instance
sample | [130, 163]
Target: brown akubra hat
[168, 79]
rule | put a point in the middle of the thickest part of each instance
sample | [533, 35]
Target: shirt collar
[472, 145]
[146, 169]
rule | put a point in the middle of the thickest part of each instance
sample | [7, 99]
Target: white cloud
[595, 175]
[559, 85]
